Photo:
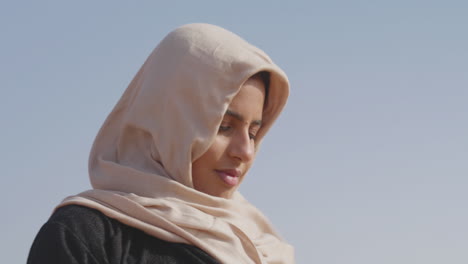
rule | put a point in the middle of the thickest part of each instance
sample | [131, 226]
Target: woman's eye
[224, 128]
[253, 134]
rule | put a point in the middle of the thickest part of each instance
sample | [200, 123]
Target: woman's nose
[242, 147]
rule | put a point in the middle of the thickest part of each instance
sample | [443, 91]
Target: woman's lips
[230, 177]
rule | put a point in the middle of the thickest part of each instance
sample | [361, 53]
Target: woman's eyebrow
[241, 118]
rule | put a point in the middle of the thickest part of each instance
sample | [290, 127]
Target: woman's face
[221, 169]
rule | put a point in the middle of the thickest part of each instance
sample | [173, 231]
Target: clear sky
[368, 163]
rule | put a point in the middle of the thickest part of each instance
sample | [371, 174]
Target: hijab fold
[140, 163]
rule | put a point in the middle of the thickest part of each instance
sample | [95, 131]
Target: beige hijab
[140, 163]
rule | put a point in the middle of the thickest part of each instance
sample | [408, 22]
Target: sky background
[367, 164]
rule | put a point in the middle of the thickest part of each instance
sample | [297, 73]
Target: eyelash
[226, 128]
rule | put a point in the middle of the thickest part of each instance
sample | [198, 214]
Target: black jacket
[77, 234]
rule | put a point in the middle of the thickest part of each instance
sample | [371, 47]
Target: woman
[168, 160]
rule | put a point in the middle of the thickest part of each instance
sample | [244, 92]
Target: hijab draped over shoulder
[140, 163]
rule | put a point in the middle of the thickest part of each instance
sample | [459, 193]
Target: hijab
[140, 162]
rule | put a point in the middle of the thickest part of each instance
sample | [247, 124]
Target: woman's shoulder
[83, 220]
[72, 233]
[72, 212]
[86, 234]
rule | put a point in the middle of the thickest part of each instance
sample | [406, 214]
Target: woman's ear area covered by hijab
[221, 169]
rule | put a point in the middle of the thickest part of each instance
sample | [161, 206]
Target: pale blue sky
[368, 163]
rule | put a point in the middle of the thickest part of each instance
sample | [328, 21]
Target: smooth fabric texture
[76, 234]
[140, 163]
